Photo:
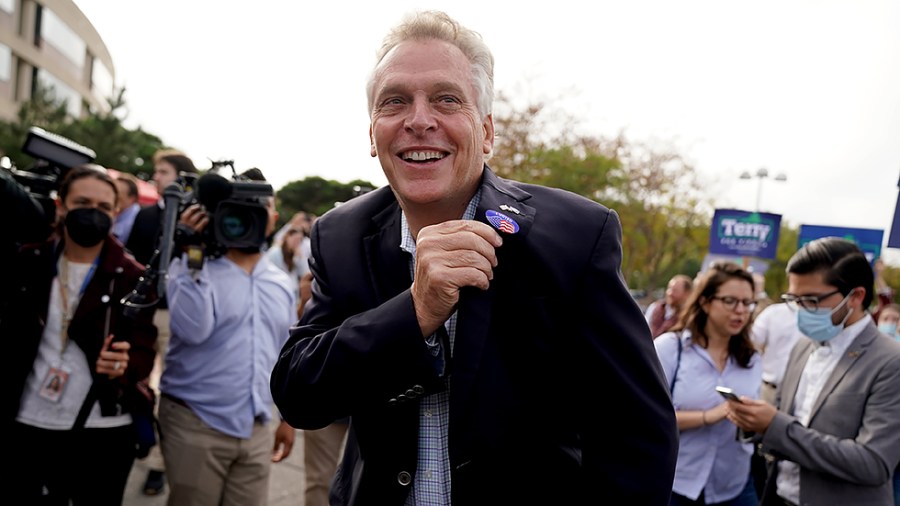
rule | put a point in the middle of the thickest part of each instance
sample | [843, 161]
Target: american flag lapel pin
[502, 222]
[511, 209]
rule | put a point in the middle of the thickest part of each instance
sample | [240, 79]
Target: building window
[60, 91]
[101, 81]
[5, 63]
[56, 32]
[8, 6]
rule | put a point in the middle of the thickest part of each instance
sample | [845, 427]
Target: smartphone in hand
[728, 394]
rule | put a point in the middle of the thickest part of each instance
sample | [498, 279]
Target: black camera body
[240, 220]
[236, 209]
[54, 156]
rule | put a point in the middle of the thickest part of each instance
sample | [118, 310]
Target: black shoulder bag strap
[85, 410]
[677, 365]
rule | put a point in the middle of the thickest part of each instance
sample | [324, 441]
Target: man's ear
[372, 151]
[488, 127]
[857, 296]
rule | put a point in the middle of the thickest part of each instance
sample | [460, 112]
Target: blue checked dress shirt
[432, 484]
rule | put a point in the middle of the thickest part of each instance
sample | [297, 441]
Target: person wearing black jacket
[74, 355]
[168, 166]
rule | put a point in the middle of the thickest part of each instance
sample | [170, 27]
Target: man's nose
[421, 116]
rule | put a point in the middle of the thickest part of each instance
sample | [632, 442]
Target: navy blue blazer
[556, 392]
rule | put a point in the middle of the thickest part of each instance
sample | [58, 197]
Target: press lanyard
[69, 312]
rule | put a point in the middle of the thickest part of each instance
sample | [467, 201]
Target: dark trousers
[759, 470]
[52, 467]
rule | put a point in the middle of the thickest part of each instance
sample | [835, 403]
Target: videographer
[75, 358]
[229, 319]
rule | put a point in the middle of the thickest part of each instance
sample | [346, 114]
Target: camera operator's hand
[194, 217]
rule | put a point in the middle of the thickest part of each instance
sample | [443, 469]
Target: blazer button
[419, 389]
[401, 398]
[404, 478]
[392, 402]
[411, 393]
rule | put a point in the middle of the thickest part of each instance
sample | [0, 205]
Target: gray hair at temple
[438, 25]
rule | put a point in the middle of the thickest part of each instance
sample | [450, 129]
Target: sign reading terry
[744, 233]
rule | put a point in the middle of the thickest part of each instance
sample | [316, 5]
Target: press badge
[53, 385]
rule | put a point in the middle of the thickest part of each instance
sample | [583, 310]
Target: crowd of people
[451, 338]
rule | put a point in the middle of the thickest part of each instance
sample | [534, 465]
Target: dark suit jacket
[145, 233]
[26, 297]
[556, 392]
[852, 445]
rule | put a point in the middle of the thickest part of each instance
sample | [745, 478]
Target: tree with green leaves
[665, 214]
[317, 195]
[116, 146]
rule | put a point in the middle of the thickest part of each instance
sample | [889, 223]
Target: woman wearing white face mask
[888, 319]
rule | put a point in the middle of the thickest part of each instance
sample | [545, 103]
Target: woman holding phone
[710, 347]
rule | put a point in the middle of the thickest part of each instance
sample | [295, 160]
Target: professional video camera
[236, 210]
[237, 216]
[54, 156]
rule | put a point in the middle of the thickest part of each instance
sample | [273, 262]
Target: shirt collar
[408, 244]
[842, 341]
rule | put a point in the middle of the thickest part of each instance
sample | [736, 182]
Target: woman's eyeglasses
[732, 302]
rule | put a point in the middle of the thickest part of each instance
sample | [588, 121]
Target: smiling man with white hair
[468, 324]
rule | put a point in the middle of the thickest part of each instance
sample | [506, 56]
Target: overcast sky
[808, 89]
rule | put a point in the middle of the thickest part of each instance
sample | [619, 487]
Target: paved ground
[285, 484]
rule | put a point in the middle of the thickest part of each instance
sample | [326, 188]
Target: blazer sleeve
[345, 358]
[620, 363]
[869, 458]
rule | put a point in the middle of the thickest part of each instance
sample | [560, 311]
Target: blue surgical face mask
[818, 326]
[889, 329]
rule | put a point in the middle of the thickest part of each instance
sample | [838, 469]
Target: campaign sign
[744, 233]
[868, 239]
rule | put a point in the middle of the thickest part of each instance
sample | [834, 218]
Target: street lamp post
[761, 174]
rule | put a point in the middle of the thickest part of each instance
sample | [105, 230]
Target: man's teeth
[421, 156]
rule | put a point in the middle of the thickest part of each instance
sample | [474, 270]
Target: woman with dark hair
[711, 347]
[74, 357]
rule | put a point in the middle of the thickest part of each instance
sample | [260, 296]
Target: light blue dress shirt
[710, 459]
[125, 222]
[228, 328]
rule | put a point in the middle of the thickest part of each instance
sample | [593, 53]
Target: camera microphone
[211, 189]
[171, 198]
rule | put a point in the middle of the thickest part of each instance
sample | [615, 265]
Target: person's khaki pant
[322, 451]
[205, 467]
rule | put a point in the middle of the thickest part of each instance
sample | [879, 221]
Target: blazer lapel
[388, 266]
[854, 351]
[475, 306]
[792, 378]
[503, 199]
